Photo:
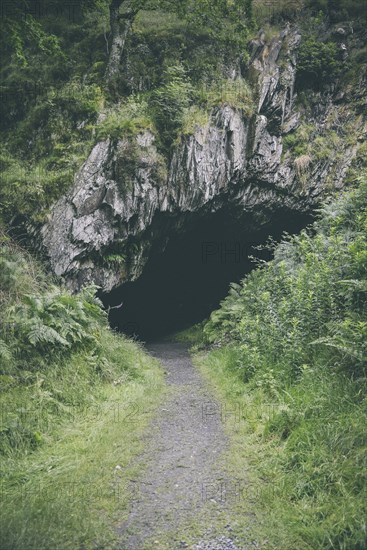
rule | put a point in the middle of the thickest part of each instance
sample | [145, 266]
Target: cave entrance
[183, 284]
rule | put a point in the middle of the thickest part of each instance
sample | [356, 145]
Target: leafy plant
[317, 64]
[294, 334]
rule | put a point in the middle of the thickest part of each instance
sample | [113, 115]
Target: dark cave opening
[187, 281]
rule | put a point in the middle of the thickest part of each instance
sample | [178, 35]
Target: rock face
[124, 201]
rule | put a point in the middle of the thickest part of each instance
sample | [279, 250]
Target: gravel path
[183, 465]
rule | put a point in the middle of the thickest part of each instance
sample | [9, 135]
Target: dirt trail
[183, 466]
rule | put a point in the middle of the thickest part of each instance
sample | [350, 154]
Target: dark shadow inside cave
[183, 284]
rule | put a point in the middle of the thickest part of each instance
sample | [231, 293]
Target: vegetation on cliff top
[56, 81]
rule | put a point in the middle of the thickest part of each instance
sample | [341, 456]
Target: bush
[318, 63]
[339, 9]
[311, 302]
[43, 151]
[39, 319]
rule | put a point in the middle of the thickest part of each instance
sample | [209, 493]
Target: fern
[6, 355]
[38, 333]
[58, 320]
[343, 348]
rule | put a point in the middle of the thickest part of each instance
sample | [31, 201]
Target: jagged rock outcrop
[123, 200]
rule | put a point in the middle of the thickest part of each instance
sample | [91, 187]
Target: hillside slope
[74, 401]
[291, 351]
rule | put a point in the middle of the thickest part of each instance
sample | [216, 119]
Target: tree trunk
[120, 28]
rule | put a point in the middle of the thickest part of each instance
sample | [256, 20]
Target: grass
[291, 482]
[265, 11]
[245, 424]
[234, 93]
[75, 399]
[37, 172]
[158, 22]
[191, 335]
[74, 489]
[322, 148]
[30, 189]
[129, 119]
[194, 118]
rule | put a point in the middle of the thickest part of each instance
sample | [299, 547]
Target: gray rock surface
[123, 204]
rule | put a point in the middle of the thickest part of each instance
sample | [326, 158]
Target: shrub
[299, 326]
[40, 319]
[317, 63]
[339, 9]
[308, 304]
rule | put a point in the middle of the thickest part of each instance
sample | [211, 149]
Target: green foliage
[224, 21]
[310, 147]
[115, 259]
[19, 274]
[43, 152]
[306, 290]
[46, 105]
[57, 119]
[53, 80]
[276, 12]
[318, 63]
[193, 118]
[299, 331]
[62, 420]
[192, 335]
[56, 321]
[56, 350]
[339, 10]
[29, 189]
[235, 93]
[299, 142]
[26, 36]
[168, 103]
[41, 323]
[129, 119]
[68, 386]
